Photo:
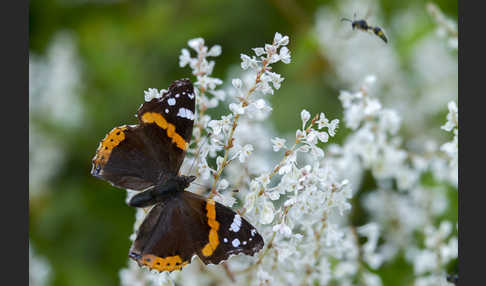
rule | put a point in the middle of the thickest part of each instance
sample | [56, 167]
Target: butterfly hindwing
[170, 235]
[234, 234]
[188, 224]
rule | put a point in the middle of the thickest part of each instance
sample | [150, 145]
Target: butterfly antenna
[346, 19]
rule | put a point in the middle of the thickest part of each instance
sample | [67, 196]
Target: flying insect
[364, 26]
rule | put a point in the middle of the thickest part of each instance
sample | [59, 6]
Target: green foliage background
[81, 224]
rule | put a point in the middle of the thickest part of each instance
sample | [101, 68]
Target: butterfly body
[147, 157]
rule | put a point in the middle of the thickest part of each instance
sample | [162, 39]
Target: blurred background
[90, 62]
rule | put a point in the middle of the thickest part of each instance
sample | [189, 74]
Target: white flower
[247, 62]
[184, 58]
[223, 184]
[283, 229]
[225, 199]
[245, 152]
[219, 162]
[259, 51]
[331, 129]
[278, 143]
[215, 51]
[452, 117]
[285, 55]
[317, 152]
[372, 106]
[151, 93]
[203, 170]
[263, 85]
[304, 116]
[425, 261]
[275, 78]
[270, 50]
[371, 279]
[250, 200]
[196, 44]
[322, 136]
[263, 277]
[216, 125]
[322, 121]
[237, 108]
[267, 212]
[237, 83]
[299, 134]
[369, 80]
[221, 125]
[280, 40]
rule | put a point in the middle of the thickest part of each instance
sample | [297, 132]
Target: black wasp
[363, 26]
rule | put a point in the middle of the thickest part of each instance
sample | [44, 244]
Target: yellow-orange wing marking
[169, 263]
[111, 140]
[213, 243]
[157, 118]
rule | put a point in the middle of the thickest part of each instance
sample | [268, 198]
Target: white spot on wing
[171, 101]
[166, 110]
[185, 113]
[236, 225]
[177, 95]
[236, 242]
[191, 95]
[244, 242]
[253, 231]
[225, 240]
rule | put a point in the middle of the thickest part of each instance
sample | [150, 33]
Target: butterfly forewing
[124, 159]
[139, 156]
[170, 118]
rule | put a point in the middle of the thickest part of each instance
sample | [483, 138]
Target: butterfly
[147, 157]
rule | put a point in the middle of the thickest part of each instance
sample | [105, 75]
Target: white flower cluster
[202, 69]
[452, 125]
[373, 140]
[402, 205]
[430, 263]
[298, 197]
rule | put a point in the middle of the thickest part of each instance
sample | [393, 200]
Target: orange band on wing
[169, 263]
[111, 140]
[157, 118]
[213, 243]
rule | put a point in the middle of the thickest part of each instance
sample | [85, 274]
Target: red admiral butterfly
[147, 157]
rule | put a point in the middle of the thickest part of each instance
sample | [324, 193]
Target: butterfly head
[187, 180]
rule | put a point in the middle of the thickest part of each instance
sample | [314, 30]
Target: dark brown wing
[125, 159]
[170, 118]
[139, 156]
[188, 224]
[234, 234]
[170, 235]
